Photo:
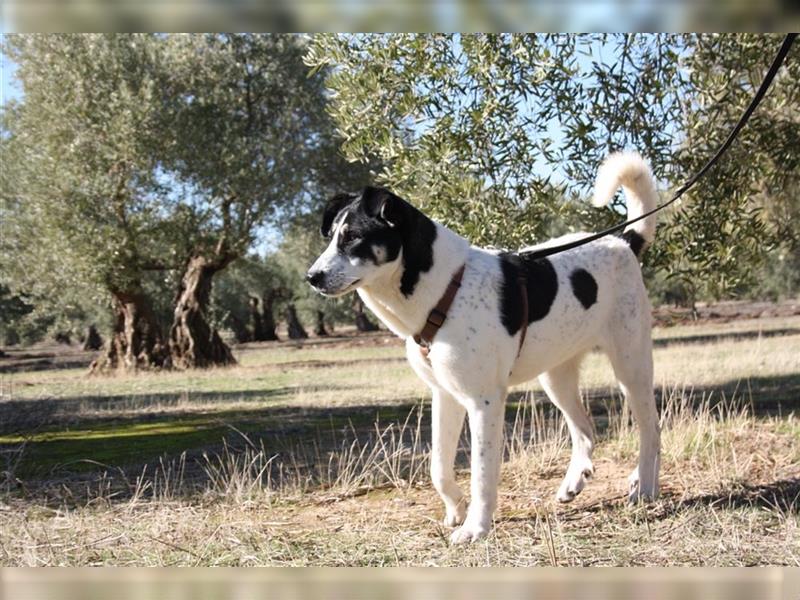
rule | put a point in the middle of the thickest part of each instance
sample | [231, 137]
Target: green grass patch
[88, 450]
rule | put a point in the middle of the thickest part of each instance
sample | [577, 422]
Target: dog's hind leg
[561, 385]
[631, 355]
[447, 419]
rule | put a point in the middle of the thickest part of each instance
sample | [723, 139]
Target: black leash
[762, 90]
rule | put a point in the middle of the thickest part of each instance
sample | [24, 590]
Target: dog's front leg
[486, 435]
[447, 420]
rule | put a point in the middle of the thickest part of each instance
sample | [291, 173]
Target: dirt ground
[723, 312]
[317, 453]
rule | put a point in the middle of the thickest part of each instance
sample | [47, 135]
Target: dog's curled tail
[629, 170]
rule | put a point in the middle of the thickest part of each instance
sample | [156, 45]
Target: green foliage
[13, 310]
[500, 136]
[467, 126]
[244, 119]
[780, 277]
[718, 242]
[248, 277]
[82, 210]
[79, 158]
[130, 153]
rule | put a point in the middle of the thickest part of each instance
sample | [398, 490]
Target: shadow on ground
[42, 445]
[781, 495]
[57, 447]
[96, 411]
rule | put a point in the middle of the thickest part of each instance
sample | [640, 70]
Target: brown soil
[723, 312]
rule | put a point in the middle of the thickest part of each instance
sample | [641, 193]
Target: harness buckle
[436, 317]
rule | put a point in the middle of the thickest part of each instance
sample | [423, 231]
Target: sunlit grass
[319, 456]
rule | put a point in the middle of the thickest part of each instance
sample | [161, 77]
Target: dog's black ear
[333, 208]
[383, 204]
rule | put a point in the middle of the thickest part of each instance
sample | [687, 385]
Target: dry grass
[357, 493]
[731, 497]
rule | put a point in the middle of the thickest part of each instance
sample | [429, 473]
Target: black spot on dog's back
[541, 284]
[584, 287]
[635, 241]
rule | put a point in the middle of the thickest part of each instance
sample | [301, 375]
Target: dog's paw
[456, 517]
[469, 532]
[574, 482]
[636, 496]
[637, 492]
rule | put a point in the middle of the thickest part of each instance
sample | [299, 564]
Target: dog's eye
[346, 237]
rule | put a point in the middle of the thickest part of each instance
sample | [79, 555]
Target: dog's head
[366, 232]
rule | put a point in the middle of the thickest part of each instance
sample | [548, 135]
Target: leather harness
[438, 314]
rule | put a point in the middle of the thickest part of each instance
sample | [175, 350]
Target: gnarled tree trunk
[93, 340]
[240, 330]
[63, 337]
[268, 316]
[136, 341]
[363, 324]
[256, 322]
[193, 342]
[296, 331]
[320, 328]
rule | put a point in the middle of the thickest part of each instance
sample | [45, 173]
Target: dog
[401, 263]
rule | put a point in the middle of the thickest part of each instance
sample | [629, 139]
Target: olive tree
[500, 136]
[745, 209]
[148, 163]
[251, 145]
[79, 155]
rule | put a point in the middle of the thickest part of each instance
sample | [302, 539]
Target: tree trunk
[256, 321]
[93, 340]
[363, 324]
[320, 330]
[296, 331]
[193, 343]
[63, 337]
[136, 341]
[268, 316]
[240, 331]
[12, 337]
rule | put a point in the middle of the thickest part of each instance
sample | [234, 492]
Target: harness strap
[438, 315]
[523, 292]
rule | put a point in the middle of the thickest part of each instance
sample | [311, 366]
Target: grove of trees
[140, 166]
[167, 187]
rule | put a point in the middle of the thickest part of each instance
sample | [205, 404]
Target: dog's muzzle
[327, 287]
[316, 279]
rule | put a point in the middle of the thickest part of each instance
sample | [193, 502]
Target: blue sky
[9, 88]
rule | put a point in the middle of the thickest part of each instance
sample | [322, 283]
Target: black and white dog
[401, 263]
